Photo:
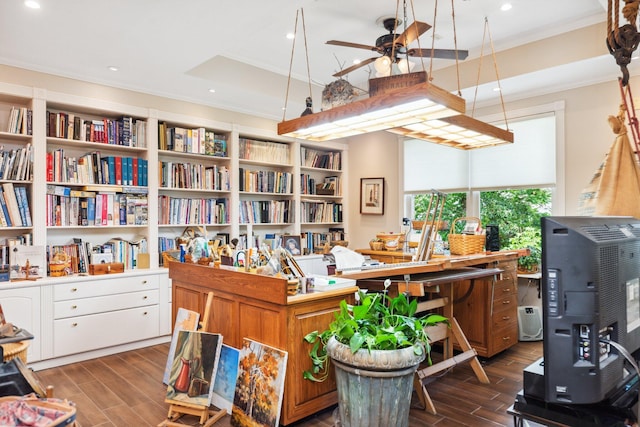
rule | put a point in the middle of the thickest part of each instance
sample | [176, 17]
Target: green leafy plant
[377, 323]
[529, 238]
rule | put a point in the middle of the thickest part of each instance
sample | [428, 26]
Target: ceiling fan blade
[439, 53]
[354, 67]
[356, 45]
[413, 31]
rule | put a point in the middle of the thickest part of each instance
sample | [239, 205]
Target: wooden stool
[15, 349]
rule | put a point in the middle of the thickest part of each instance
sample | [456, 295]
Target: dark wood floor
[126, 390]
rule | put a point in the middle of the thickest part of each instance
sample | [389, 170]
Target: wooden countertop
[436, 264]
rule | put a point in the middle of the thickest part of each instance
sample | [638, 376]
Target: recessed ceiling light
[506, 6]
[112, 68]
[357, 61]
[212, 90]
[291, 36]
[32, 4]
[496, 89]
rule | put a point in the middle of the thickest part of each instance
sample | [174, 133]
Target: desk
[489, 315]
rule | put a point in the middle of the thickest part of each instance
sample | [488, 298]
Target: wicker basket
[14, 350]
[466, 244]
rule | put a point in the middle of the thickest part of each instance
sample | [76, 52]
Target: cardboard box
[106, 268]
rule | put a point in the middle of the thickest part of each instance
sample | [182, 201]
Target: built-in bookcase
[266, 182]
[194, 178]
[97, 181]
[16, 172]
[321, 192]
[105, 175]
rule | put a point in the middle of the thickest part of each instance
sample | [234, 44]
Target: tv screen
[591, 295]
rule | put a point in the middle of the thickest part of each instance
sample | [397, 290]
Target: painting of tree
[260, 385]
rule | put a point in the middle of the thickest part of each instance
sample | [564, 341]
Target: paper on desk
[346, 258]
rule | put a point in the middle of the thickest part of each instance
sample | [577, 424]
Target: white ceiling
[182, 48]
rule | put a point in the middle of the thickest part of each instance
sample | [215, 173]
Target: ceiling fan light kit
[391, 109]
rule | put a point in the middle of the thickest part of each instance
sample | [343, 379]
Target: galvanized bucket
[374, 387]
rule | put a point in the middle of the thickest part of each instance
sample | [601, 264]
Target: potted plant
[529, 239]
[376, 347]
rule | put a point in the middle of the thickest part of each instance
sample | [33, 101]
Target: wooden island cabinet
[257, 307]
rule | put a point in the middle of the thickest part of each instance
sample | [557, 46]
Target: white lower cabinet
[21, 306]
[98, 313]
[84, 333]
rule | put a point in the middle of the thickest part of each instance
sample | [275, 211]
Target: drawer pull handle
[74, 289]
[506, 338]
[506, 317]
[145, 313]
[144, 282]
[506, 290]
[74, 324]
[505, 302]
[73, 307]
[145, 297]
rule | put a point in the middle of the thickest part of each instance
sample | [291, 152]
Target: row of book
[314, 240]
[20, 121]
[16, 164]
[266, 211]
[320, 212]
[195, 141]
[93, 168]
[68, 207]
[264, 151]
[194, 176]
[329, 186]
[265, 181]
[178, 210]
[320, 159]
[80, 254]
[125, 131]
[14, 206]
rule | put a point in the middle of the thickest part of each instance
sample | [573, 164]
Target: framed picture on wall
[372, 196]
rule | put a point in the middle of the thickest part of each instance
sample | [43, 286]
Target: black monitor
[591, 295]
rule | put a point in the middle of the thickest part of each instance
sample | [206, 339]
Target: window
[510, 186]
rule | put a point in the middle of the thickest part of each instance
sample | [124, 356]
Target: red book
[49, 167]
[118, 170]
[105, 208]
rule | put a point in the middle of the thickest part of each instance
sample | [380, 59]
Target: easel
[177, 409]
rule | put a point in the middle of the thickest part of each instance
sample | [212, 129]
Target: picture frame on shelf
[372, 196]
[292, 243]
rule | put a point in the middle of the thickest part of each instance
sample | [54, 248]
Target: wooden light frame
[394, 108]
[461, 131]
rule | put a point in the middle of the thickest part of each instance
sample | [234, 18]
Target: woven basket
[466, 244]
[14, 350]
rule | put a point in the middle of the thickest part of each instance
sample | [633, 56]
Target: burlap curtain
[615, 187]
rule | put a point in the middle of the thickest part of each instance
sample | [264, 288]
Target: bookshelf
[16, 170]
[70, 160]
[321, 193]
[194, 178]
[266, 183]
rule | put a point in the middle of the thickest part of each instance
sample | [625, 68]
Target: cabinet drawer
[84, 306]
[506, 302]
[85, 333]
[504, 318]
[504, 338]
[503, 288]
[94, 288]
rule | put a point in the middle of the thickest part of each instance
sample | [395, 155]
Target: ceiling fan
[394, 47]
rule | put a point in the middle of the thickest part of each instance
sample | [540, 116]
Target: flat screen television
[591, 295]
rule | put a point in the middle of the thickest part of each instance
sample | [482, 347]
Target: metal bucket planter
[374, 387]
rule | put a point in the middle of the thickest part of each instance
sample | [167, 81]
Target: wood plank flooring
[126, 389]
